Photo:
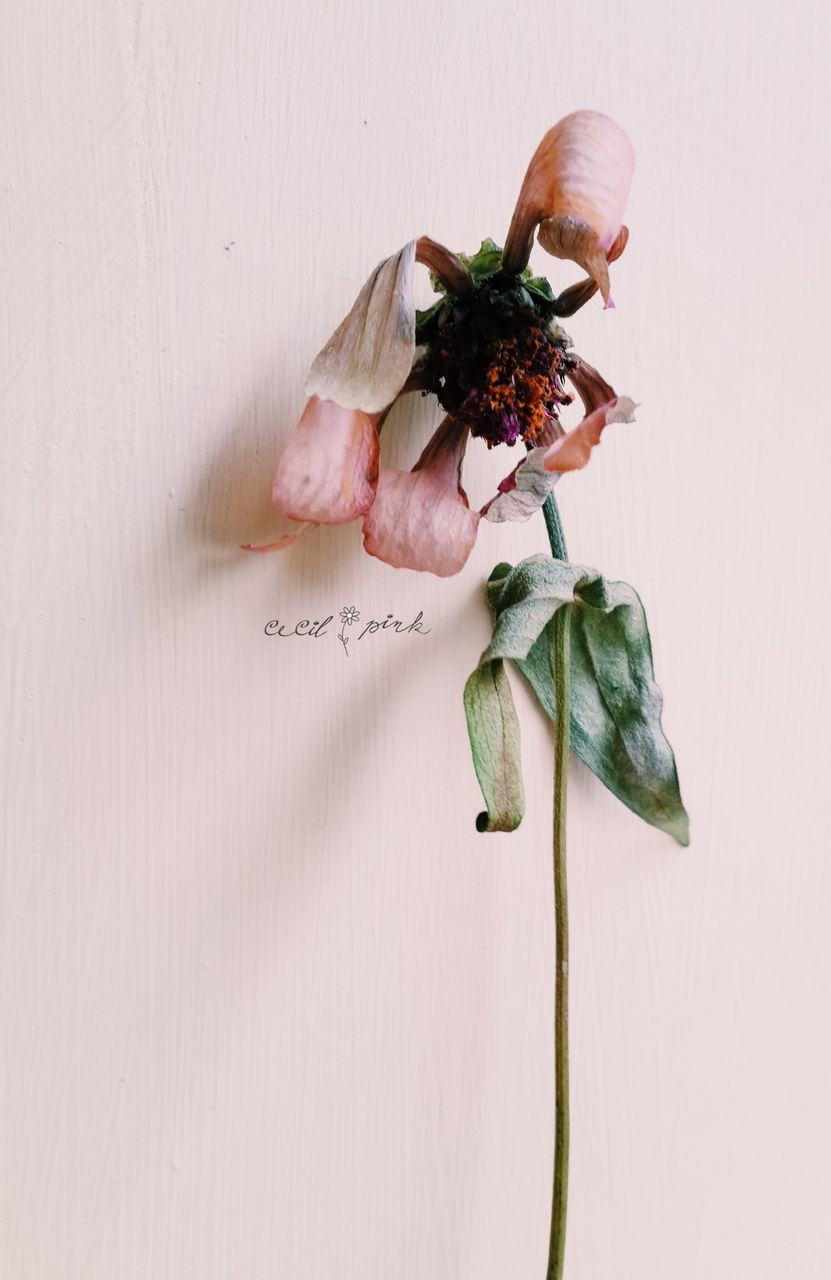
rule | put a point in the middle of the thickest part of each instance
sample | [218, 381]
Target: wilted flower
[490, 349]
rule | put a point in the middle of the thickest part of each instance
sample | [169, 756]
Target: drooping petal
[572, 299]
[565, 236]
[575, 189]
[288, 540]
[574, 449]
[449, 268]
[420, 519]
[329, 469]
[368, 358]
[524, 491]
[591, 386]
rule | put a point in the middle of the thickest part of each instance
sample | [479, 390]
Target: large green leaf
[615, 722]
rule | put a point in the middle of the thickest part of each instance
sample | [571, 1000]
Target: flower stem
[560, 656]
[554, 525]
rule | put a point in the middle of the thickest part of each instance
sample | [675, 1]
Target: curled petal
[574, 449]
[329, 469]
[450, 269]
[524, 491]
[368, 358]
[576, 187]
[567, 237]
[420, 519]
[620, 242]
[592, 388]
[572, 299]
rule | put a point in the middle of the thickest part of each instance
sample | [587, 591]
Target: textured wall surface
[271, 1008]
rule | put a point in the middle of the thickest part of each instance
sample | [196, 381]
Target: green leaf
[426, 317]
[492, 722]
[538, 285]
[494, 740]
[486, 261]
[615, 722]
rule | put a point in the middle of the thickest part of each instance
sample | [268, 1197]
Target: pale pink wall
[271, 1009]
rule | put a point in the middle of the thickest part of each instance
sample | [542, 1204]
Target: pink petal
[576, 189]
[578, 295]
[565, 236]
[329, 469]
[421, 519]
[584, 168]
[592, 387]
[573, 450]
[366, 361]
[282, 542]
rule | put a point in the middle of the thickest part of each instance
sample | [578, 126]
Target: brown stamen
[497, 368]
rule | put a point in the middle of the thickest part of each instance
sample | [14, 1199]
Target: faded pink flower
[490, 349]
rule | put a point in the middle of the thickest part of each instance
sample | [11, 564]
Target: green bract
[615, 720]
[487, 262]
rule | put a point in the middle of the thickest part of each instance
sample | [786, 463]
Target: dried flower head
[490, 349]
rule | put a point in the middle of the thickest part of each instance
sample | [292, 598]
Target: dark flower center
[495, 361]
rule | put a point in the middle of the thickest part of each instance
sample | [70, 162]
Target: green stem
[554, 525]
[559, 1200]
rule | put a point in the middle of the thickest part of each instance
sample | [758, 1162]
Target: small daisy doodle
[348, 615]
